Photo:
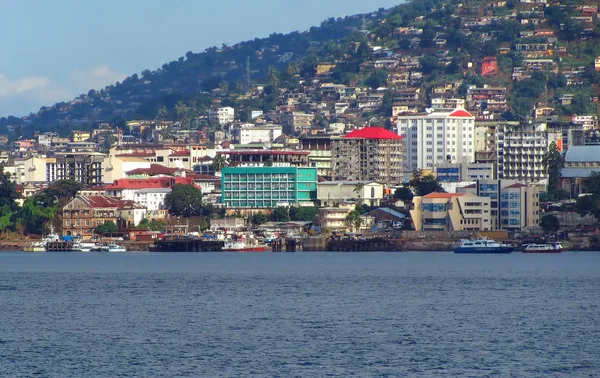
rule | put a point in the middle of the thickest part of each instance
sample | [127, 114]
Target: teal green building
[260, 187]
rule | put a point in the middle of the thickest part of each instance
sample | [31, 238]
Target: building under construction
[372, 153]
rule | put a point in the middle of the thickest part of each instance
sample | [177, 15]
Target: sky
[55, 50]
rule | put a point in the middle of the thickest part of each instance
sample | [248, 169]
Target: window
[87, 222]
[372, 192]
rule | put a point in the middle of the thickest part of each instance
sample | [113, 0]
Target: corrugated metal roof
[577, 172]
[583, 154]
[444, 195]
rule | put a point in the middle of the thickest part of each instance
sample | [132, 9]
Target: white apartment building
[151, 198]
[437, 137]
[248, 133]
[222, 116]
[521, 149]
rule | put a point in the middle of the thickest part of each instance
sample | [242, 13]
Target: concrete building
[330, 193]
[260, 158]
[456, 172]
[222, 116]
[319, 157]
[249, 133]
[293, 122]
[267, 187]
[451, 212]
[521, 149]
[437, 137]
[84, 167]
[115, 167]
[372, 153]
[514, 206]
[580, 162]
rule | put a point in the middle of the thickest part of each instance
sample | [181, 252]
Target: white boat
[38, 246]
[246, 245]
[482, 245]
[555, 247]
[111, 247]
[80, 246]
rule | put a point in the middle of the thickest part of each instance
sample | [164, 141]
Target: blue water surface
[299, 315]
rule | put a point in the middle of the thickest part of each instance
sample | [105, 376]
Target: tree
[554, 162]
[108, 227]
[259, 218]
[185, 200]
[273, 77]
[429, 63]
[404, 193]
[423, 185]
[358, 189]
[280, 214]
[353, 220]
[592, 183]
[378, 78]
[151, 224]
[303, 213]
[8, 192]
[588, 205]
[550, 223]
[219, 162]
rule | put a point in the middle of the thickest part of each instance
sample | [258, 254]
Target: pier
[188, 245]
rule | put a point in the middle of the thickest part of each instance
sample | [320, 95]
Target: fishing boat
[482, 245]
[555, 247]
[37, 246]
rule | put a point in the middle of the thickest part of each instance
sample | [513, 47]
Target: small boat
[248, 245]
[111, 247]
[38, 246]
[555, 247]
[482, 245]
[83, 246]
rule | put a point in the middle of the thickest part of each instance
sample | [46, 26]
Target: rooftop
[583, 154]
[443, 195]
[372, 132]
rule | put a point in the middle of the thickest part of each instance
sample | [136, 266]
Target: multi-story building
[319, 157]
[84, 167]
[489, 65]
[84, 213]
[248, 133]
[267, 187]
[491, 99]
[260, 158]
[222, 116]
[330, 193]
[372, 153]
[457, 172]
[451, 212]
[437, 137]
[521, 149]
[580, 162]
[293, 122]
[514, 206]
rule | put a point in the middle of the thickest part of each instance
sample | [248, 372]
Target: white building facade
[222, 116]
[437, 137]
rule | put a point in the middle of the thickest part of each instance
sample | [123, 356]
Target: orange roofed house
[451, 212]
[84, 213]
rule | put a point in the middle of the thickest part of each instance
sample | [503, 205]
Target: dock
[188, 245]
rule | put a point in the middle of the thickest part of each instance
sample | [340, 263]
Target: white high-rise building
[436, 137]
[222, 116]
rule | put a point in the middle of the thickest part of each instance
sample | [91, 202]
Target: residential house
[451, 212]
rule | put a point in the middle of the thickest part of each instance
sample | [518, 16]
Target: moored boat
[111, 247]
[38, 246]
[482, 245]
[243, 246]
[555, 247]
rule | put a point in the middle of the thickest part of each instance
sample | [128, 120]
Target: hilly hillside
[544, 51]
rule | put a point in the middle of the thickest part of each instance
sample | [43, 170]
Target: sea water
[299, 315]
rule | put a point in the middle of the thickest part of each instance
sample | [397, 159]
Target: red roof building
[489, 66]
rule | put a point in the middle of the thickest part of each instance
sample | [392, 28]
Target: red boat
[555, 247]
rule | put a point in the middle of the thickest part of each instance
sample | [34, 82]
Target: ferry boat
[247, 245]
[80, 246]
[482, 245]
[555, 247]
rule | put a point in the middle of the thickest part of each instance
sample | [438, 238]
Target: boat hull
[246, 249]
[544, 251]
[484, 250]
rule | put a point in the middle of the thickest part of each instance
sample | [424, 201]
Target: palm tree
[219, 162]
[358, 189]
[162, 113]
[353, 220]
[273, 77]
[293, 69]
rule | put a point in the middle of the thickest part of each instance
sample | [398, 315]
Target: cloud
[27, 94]
[97, 77]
